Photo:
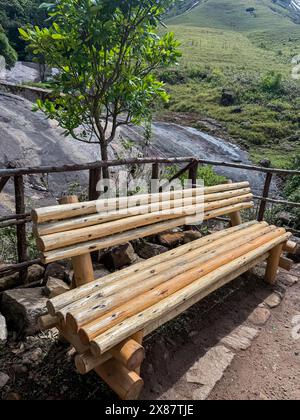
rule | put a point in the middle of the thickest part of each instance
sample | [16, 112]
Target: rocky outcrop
[3, 330]
[119, 257]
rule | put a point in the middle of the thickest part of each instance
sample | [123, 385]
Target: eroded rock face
[22, 308]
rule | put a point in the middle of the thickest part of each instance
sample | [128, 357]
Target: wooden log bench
[107, 319]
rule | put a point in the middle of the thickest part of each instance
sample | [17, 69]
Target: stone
[191, 235]
[3, 379]
[22, 308]
[228, 98]
[100, 271]
[259, 316]
[171, 239]
[241, 338]
[273, 300]
[3, 331]
[209, 370]
[148, 250]
[119, 257]
[265, 163]
[287, 279]
[9, 282]
[285, 217]
[55, 287]
[55, 270]
[35, 273]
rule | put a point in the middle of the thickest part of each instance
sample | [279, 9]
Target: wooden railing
[190, 165]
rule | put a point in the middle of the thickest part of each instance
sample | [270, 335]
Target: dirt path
[190, 358]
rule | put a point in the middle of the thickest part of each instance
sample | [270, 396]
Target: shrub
[7, 51]
[271, 82]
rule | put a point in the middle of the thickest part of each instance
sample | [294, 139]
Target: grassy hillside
[248, 53]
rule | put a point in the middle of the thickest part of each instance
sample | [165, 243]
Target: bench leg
[138, 337]
[273, 264]
[236, 218]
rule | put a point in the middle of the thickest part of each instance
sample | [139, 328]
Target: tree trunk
[104, 156]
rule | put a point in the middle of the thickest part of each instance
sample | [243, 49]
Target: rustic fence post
[21, 229]
[263, 204]
[193, 173]
[94, 178]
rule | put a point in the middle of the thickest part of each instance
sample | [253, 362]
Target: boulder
[259, 316]
[35, 273]
[55, 287]
[148, 250]
[9, 282]
[171, 239]
[3, 330]
[228, 98]
[3, 379]
[100, 271]
[22, 308]
[119, 257]
[265, 163]
[55, 270]
[191, 235]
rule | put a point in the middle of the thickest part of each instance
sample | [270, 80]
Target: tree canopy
[107, 53]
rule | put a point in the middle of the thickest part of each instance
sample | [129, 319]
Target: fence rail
[21, 217]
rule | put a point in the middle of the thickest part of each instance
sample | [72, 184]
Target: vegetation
[205, 173]
[16, 13]
[107, 53]
[6, 50]
[226, 48]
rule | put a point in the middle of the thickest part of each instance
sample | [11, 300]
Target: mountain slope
[238, 15]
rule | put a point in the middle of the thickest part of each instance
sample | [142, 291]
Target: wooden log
[121, 331]
[47, 322]
[61, 240]
[82, 265]
[286, 263]
[53, 213]
[127, 385]
[94, 178]
[138, 233]
[111, 296]
[236, 219]
[263, 204]
[183, 307]
[130, 353]
[86, 362]
[273, 264]
[147, 299]
[290, 247]
[95, 219]
[3, 182]
[59, 302]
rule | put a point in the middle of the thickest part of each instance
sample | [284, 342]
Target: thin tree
[108, 53]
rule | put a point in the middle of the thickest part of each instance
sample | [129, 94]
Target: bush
[271, 82]
[7, 51]
[205, 173]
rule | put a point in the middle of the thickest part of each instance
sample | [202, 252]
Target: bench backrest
[71, 230]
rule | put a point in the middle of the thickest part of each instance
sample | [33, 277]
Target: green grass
[225, 47]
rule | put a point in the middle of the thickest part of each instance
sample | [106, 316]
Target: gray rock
[22, 308]
[171, 239]
[265, 163]
[55, 270]
[55, 287]
[9, 282]
[228, 98]
[273, 300]
[241, 338]
[259, 316]
[3, 330]
[191, 235]
[209, 370]
[120, 256]
[3, 379]
[147, 250]
[35, 273]
[100, 271]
